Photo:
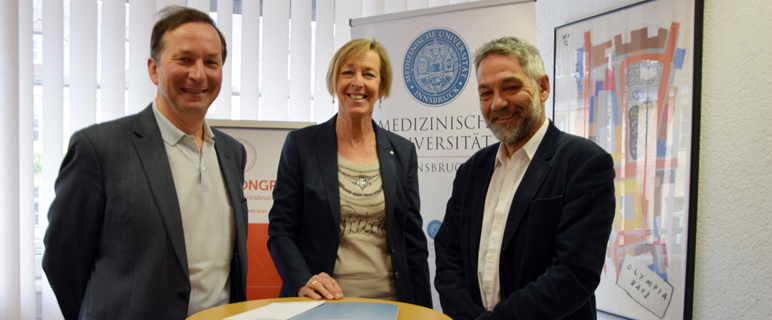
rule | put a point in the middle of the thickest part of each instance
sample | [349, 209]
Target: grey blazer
[115, 247]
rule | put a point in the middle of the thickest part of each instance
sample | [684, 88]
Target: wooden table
[406, 311]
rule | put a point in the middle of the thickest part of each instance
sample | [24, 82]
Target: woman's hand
[321, 285]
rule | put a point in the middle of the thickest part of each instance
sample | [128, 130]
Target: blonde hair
[355, 48]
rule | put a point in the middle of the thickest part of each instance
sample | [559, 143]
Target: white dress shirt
[507, 174]
[207, 214]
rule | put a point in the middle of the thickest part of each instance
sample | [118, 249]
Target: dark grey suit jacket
[554, 241]
[304, 222]
[115, 247]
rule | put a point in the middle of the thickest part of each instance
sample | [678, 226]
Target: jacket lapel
[532, 180]
[229, 170]
[477, 207]
[327, 156]
[388, 172]
[152, 154]
[226, 157]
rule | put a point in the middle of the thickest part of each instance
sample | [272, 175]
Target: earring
[333, 99]
[379, 103]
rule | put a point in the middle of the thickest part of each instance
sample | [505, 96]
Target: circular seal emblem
[436, 67]
[433, 227]
[251, 154]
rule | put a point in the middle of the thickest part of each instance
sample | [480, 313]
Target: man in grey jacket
[150, 219]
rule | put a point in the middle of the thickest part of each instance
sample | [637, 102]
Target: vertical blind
[25, 169]
[323, 51]
[300, 66]
[275, 59]
[224, 22]
[51, 133]
[10, 283]
[250, 60]
[94, 69]
[142, 16]
[113, 59]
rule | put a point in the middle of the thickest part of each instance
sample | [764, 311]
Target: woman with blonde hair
[346, 213]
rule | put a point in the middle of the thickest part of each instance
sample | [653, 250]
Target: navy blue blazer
[115, 247]
[304, 222]
[555, 239]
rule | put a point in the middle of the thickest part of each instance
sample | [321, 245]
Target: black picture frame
[636, 92]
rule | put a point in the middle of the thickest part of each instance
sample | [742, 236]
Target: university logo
[251, 153]
[436, 67]
[433, 227]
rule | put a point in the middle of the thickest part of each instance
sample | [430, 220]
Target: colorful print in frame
[629, 81]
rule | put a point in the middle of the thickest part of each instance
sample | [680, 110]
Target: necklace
[361, 179]
[360, 194]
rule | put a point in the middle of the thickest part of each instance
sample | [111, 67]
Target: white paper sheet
[277, 311]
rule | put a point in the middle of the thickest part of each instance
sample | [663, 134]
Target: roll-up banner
[433, 100]
[263, 141]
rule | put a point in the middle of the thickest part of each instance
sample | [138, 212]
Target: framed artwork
[629, 80]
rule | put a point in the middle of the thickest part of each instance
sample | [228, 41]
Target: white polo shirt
[207, 214]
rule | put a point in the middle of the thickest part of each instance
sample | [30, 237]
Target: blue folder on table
[351, 311]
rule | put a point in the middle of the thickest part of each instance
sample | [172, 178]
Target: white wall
[733, 268]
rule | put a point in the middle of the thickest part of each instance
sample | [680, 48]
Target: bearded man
[525, 230]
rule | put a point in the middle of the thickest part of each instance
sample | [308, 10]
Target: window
[37, 48]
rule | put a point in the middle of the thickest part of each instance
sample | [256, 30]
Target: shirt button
[491, 257]
[187, 139]
[512, 170]
[488, 288]
[497, 227]
[503, 197]
[203, 168]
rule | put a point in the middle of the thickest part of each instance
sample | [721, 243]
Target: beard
[515, 132]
